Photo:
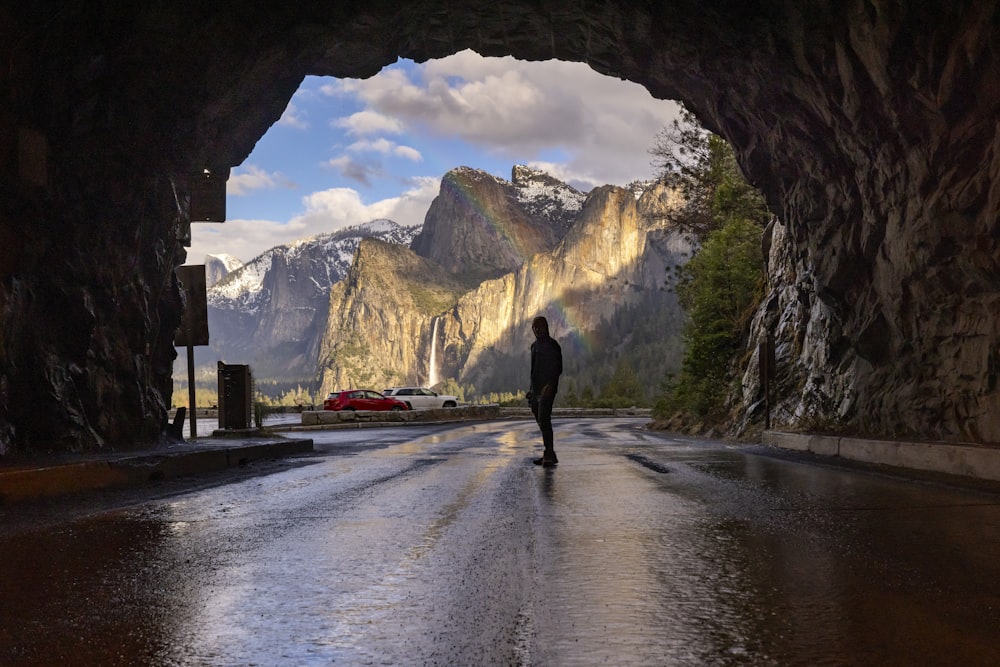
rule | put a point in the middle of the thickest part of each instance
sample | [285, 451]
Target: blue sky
[347, 150]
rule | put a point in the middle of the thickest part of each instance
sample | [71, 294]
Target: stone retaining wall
[581, 412]
[321, 417]
[324, 417]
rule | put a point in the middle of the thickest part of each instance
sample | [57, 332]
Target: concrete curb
[324, 420]
[347, 426]
[966, 460]
[135, 469]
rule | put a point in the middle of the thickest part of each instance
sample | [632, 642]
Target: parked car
[421, 397]
[362, 399]
[330, 400]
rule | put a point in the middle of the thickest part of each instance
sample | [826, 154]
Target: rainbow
[565, 322]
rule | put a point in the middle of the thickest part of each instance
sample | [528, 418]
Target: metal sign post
[194, 410]
[194, 326]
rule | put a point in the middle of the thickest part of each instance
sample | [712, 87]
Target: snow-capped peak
[318, 261]
[546, 195]
[231, 263]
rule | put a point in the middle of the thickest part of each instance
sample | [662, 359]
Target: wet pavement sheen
[447, 547]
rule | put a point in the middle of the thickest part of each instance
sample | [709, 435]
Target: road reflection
[452, 548]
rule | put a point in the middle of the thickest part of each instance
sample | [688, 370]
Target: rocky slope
[379, 327]
[619, 255]
[616, 255]
[218, 267]
[271, 312]
[483, 226]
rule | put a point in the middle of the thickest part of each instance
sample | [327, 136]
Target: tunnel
[870, 126]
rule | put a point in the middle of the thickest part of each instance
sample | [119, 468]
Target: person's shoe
[549, 463]
[538, 461]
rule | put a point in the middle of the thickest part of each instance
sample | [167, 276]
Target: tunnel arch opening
[871, 132]
[461, 111]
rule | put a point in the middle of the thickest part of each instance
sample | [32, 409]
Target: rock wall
[886, 275]
[617, 254]
[870, 125]
[476, 227]
[379, 328]
[87, 318]
[272, 312]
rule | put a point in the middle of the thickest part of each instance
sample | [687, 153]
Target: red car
[361, 399]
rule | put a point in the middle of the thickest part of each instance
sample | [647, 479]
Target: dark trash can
[235, 394]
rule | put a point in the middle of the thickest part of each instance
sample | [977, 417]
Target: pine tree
[723, 283]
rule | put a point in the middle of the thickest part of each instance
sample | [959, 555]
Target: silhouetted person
[546, 367]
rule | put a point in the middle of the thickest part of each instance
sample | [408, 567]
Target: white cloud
[409, 153]
[410, 207]
[325, 211]
[521, 111]
[382, 145]
[255, 178]
[244, 239]
[369, 122]
[292, 117]
[341, 207]
[386, 147]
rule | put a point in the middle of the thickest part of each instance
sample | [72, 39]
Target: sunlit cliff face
[869, 127]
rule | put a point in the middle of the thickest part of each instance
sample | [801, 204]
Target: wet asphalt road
[445, 546]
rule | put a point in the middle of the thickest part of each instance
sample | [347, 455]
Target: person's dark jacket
[546, 365]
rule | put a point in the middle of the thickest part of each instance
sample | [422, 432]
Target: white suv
[420, 397]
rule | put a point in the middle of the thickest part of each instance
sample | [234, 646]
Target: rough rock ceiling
[871, 126]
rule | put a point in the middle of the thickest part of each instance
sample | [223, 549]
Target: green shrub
[721, 288]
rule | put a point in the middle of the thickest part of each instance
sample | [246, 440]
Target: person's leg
[544, 419]
[534, 411]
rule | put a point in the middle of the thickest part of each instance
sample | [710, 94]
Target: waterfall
[433, 371]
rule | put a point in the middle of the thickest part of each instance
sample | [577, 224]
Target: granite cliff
[615, 260]
[377, 331]
[271, 312]
[218, 267]
[614, 257]
[483, 226]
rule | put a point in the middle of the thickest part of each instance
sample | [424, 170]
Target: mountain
[219, 266]
[374, 304]
[599, 266]
[606, 290]
[270, 312]
[377, 332]
[481, 226]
